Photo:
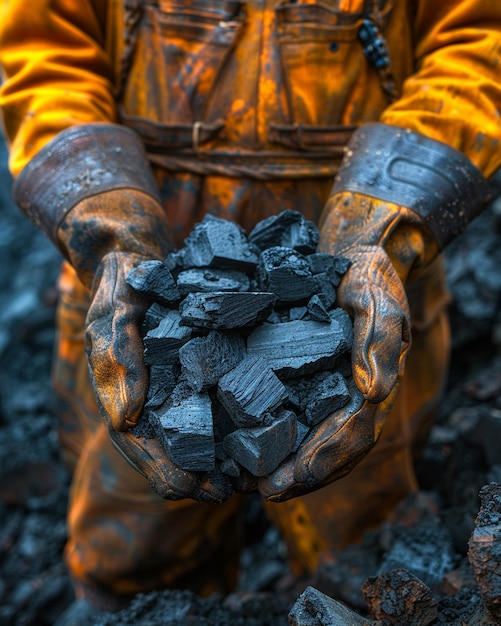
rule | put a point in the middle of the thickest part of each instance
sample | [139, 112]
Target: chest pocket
[327, 73]
[179, 52]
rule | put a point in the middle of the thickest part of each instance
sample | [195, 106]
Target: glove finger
[148, 457]
[114, 345]
[374, 295]
[380, 343]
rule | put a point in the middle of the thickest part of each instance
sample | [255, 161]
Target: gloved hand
[398, 199]
[92, 192]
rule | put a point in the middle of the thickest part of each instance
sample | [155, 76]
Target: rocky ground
[429, 535]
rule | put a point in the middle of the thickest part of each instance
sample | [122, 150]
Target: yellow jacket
[266, 79]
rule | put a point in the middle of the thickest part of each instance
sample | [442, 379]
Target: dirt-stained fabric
[263, 75]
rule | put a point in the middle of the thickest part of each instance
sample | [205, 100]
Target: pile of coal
[246, 348]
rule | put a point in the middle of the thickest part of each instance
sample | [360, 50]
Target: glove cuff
[403, 167]
[78, 163]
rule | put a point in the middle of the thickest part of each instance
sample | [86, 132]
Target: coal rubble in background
[460, 459]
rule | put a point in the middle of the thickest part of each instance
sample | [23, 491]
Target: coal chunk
[206, 280]
[301, 347]
[226, 310]
[185, 426]
[288, 229]
[398, 597]
[219, 243]
[319, 396]
[314, 608]
[250, 391]
[154, 281]
[334, 267]
[484, 551]
[302, 433]
[162, 344]
[163, 379]
[426, 551]
[204, 360]
[317, 308]
[287, 274]
[153, 316]
[230, 467]
[261, 449]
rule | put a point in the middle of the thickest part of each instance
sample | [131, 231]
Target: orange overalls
[244, 109]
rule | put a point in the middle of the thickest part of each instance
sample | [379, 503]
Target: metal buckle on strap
[195, 136]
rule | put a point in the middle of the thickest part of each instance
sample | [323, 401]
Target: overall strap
[375, 46]
[133, 10]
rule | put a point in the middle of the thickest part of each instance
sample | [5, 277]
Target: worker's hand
[372, 291]
[91, 190]
[398, 199]
[105, 237]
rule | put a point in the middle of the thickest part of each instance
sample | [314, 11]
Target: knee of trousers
[125, 539]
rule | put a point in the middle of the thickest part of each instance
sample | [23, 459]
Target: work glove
[92, 192]
[397, 201]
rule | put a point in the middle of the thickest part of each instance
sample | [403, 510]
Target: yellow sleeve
[55, 71]
[455, 94]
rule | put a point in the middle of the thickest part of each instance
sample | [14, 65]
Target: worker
[127, 121]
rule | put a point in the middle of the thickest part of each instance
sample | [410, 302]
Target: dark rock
[204, 360]
[184, 424]
[425, 550]
[230, 467]
[226, 310]
[296, 313]
[153, 316]
[335, 267]
[288, 229]
[319, 396]
[398, 597]
[318, 309]
[162, 344]
[250, 391]
[163, 379]
[485, 549]
[219, 243]
[302, 433]
[207, 280]
[154, 280]
[286, 273]
[314, 608]
[301, 347]
[261, 449]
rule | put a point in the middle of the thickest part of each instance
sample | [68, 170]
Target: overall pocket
[328, 79]
[180, 50]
